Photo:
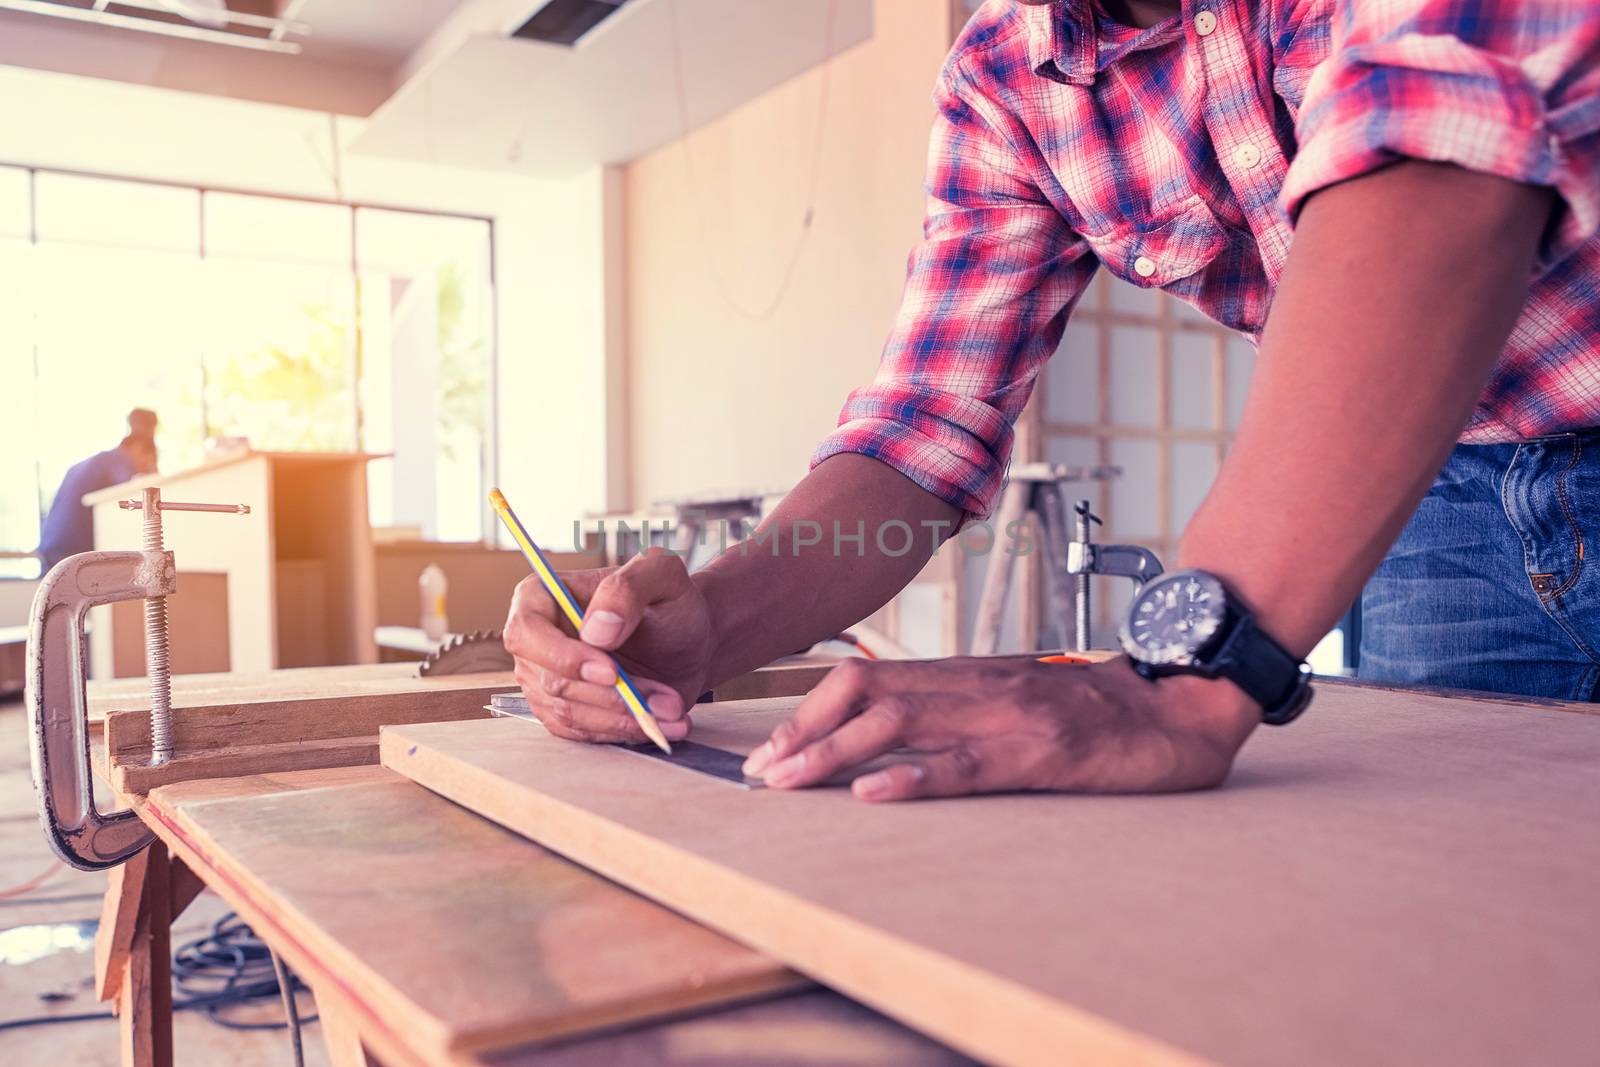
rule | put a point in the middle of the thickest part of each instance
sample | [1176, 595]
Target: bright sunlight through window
[287, 324]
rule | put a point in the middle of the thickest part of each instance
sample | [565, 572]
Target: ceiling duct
[566, 22]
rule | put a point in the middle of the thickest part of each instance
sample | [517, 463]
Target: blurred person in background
[69, 526]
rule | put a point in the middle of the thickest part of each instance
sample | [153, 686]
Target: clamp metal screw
[1085, 558]
[157, 643]
[1085, 536]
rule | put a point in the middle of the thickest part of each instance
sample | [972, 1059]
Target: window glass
[101, 211]
[14, 210]
[19, 489]
[1072, 377]
[1193, 391]
[1134, 514]
[259, 227]
[1133, 375]
[139, 348]
[426, 321]
[1194, 468]
[279, 341]
[267, 333]
[1241, 365]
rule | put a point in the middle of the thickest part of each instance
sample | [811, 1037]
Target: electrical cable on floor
[46, 1020]
[69, 898]
[227, 967]
[291, 1010]
[234, 957]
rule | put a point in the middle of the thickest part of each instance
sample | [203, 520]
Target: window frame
[1163, 317]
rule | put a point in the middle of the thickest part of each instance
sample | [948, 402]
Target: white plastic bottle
[433, 584]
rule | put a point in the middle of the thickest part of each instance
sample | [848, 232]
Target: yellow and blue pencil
[569, 607]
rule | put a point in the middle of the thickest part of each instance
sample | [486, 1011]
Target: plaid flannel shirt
[1176, 157]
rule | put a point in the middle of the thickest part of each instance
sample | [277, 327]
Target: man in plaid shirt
[1398, 199]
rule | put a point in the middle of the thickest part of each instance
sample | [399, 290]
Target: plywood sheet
[457, 933]
[1396, 878]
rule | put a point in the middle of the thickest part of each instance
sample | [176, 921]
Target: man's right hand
[648, 614]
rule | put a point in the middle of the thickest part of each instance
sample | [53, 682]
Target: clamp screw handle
[172, 505]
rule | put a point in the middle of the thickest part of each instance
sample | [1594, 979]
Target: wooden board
[442, 927]
[229, 725]
[308, 683]
[1396, 878]
[230, 740]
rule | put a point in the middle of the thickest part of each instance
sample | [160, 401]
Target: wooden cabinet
[289, 585]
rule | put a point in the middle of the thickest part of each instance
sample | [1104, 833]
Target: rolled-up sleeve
[1504, 87]
[987, 293]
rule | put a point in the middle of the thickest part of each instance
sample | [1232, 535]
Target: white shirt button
[1204, 23]
[1246, 156]
[1144, 266]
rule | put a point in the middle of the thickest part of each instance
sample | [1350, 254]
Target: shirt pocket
[1164, 253]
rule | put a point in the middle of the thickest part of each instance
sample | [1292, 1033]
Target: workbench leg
[119, 916]
[185, 886]
[339, 1032]
[137, 956]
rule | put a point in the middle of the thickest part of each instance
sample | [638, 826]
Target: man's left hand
[964, 726]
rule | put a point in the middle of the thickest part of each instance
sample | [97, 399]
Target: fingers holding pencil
[569, 683]
[643, 629]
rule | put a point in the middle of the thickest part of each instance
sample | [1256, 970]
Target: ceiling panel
[548, 109]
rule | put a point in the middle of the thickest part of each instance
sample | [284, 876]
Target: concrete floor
[63, 983]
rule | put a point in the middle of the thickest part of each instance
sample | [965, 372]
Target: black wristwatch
[1185, 622]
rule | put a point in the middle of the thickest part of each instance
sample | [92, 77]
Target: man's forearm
[1400, 291]
[778, 593]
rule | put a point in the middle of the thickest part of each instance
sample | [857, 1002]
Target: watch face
[1172, 618]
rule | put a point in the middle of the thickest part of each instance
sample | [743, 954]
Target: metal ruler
[689, 755]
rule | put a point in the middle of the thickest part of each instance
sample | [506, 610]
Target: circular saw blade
[479, 652]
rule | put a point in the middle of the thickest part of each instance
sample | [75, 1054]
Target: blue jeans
[1489, 586]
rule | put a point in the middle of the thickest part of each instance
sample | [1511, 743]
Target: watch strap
[1264, 669]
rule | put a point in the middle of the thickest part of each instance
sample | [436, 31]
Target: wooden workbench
[1386, 928]
[428, 935]
[432, 937]
[1397, 877]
